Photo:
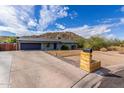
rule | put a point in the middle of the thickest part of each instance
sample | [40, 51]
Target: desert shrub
[103, 49]
[121, 45]
[64, 47]
[116, 42]
[112, 48]
[95, 43]
[121, 51]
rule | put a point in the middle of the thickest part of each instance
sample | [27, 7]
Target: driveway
[33, 69]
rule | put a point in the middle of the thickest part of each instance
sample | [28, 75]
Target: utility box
[86, 62]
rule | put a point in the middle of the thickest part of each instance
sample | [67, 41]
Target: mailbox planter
[86, 62]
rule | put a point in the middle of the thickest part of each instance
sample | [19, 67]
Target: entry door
[55, 45]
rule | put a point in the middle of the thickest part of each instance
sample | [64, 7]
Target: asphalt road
[115, 80]
[33, 69]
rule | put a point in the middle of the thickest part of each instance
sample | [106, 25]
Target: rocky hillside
[59, 35]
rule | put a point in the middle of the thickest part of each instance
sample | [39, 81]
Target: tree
[80, 42]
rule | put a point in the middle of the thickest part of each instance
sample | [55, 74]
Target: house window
[48, 45]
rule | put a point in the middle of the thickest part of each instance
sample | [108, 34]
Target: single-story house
[44, 44]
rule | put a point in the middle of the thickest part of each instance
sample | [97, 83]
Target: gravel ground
[107, 58]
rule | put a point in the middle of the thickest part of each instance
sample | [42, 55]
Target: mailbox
[88, 50]
[86, 62]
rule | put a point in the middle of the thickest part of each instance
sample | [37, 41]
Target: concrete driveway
[33, 69]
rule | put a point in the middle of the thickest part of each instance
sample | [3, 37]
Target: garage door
[30, 46]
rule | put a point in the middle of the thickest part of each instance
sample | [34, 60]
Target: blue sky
[83, 20]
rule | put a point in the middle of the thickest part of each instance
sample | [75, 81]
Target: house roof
[45, 40]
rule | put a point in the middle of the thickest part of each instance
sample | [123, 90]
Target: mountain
[59, 35]
[3, 37]
[6, 33]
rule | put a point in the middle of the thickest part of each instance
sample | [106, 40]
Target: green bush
[64, 47]
[11, 40]
[95, 43]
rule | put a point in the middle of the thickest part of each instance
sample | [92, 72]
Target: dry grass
[103, 49]
[113, 48]
[121, 51]
[64, 53]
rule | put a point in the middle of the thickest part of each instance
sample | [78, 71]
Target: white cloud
[15, 18]
[110, 36]
[122, 20]
[60, 26]
[106, 21]
[32, 23]
[8, 16]
[17, 31]
[50, 14]
[18, 19]
[73, 15]
[88, 31]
